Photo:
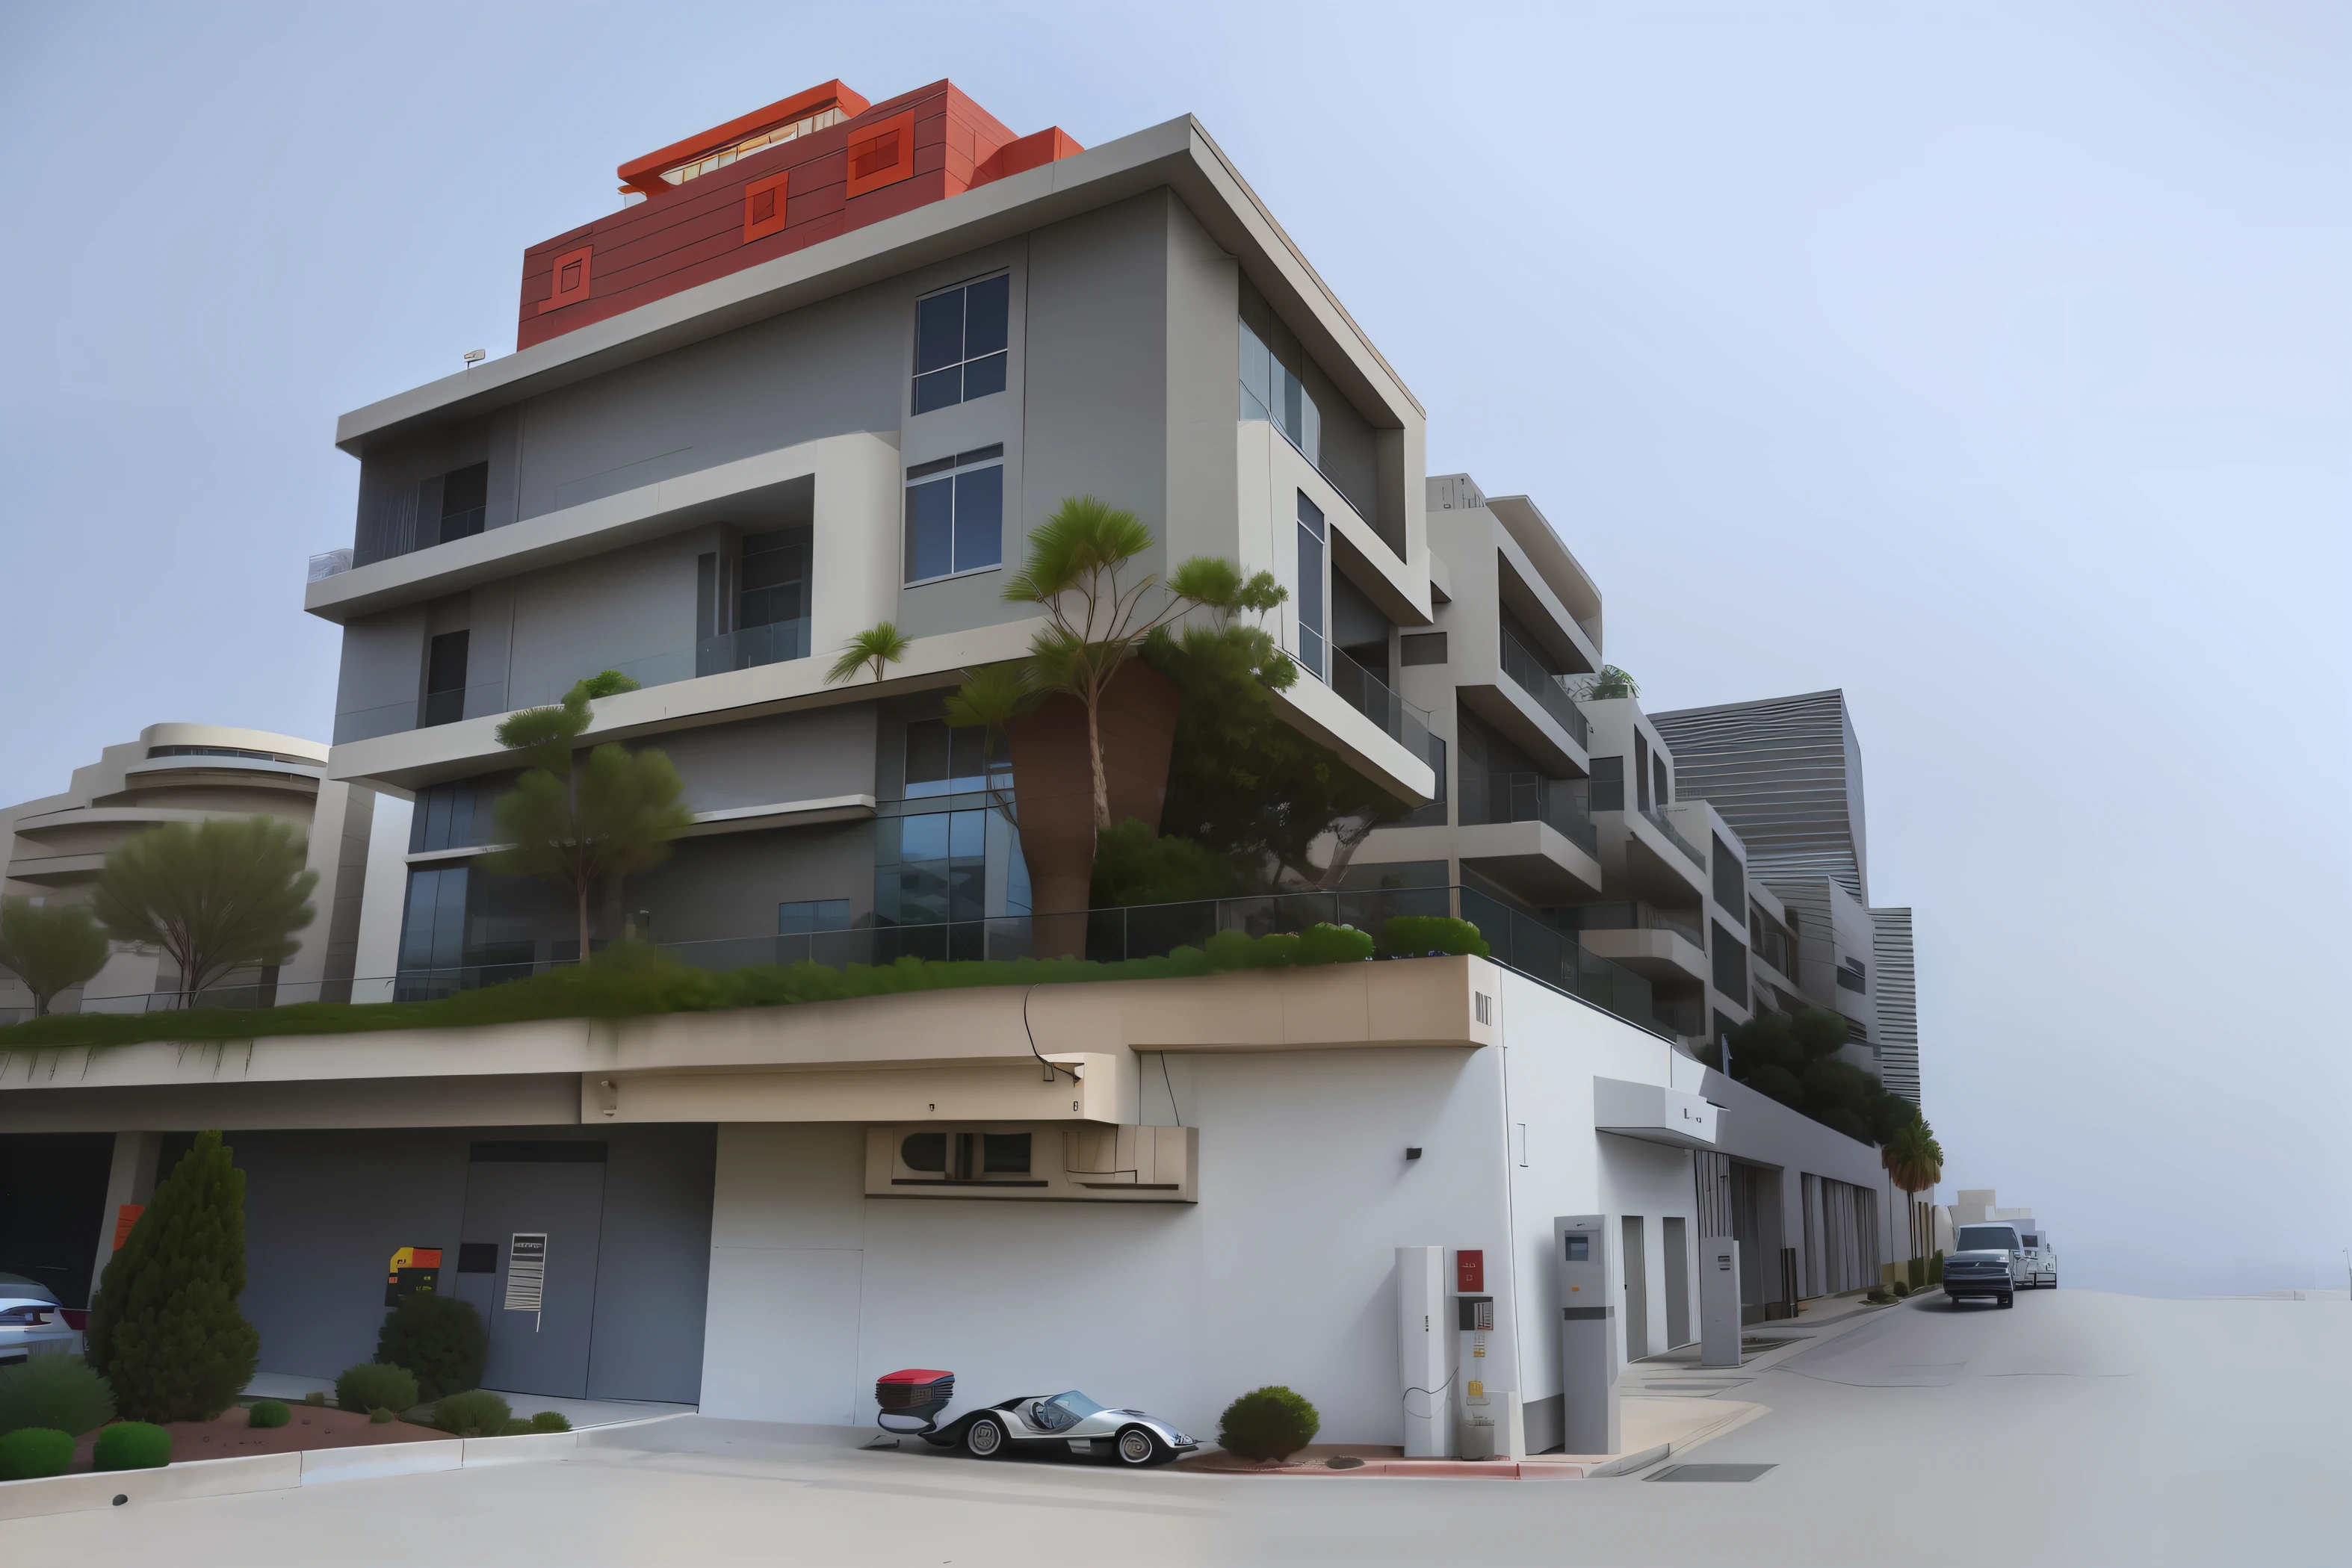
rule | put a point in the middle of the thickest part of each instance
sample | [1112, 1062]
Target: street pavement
[2077, 1428]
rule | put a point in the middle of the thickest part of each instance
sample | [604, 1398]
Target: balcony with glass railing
[1637, 916]
[1560, 804]
[1528, 673]
[1368, 695]
[1665, 824]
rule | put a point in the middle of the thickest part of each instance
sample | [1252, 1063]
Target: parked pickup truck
[2037, 1267]
[1983, 1263]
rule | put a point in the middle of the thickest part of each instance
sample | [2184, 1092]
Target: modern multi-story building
[827, 373]
[190, 773]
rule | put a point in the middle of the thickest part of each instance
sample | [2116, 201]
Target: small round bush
[29, 1453]
[268, 1413]
[316, 1396]
[475, 1414]
[1411, 935]
[372, 1385]
[550, 1421]
[131, 1446]
[516, 1428]
[1269, 1423]
[58, 1392]
[440, 1339]
[382, 1418]
[1902, 1288]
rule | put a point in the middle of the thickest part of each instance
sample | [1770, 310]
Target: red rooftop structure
[803, 169]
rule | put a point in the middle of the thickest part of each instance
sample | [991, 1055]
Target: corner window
[1271, 384]
[960, 335]
[955, 514]
[1607, 783]
[1311, 579]
[1730, 877]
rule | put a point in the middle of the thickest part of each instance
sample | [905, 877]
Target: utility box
[1423, 1364]
[1474, 1321]
[1588, 1334]
[1718, 1302]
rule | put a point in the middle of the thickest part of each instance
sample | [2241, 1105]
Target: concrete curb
[312, 1467]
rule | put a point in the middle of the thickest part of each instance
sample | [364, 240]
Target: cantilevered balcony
[1653, 943]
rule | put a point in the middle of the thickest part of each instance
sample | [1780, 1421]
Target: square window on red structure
[881, 154]
[570, 282]
[763, 207]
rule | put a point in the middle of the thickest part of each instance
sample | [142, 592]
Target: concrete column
[130, 1179]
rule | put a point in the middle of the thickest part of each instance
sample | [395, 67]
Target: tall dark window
[445, 679]
[1311, 596]
[1641, 769]
[433, 927]
[1730, 963]
[1607, 783]
[955, 514]
[1272, 388]
[1661, 782]
[941, 760]
[1730, 878]
[960, 335]
[465, 502]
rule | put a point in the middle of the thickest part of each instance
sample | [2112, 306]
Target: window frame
[962, 364]
[947, 470]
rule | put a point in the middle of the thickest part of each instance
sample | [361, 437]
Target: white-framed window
[960, 338]
[955, 514]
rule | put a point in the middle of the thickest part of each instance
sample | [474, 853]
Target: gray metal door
[1678, 1282]
[550, 1197]
[1637, 1290]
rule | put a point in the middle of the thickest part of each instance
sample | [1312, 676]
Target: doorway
[533, 1234]
[1678, 1281]
[1637, 1289]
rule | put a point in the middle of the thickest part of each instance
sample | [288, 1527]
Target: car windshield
[1988, 1239]
[1074, 1405]
[17, 1288]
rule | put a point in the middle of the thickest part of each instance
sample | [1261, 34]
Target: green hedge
[131, 1446]
[376, 1385]
[474, 1413]
[635, 981]
[58, 1392]
[28, 1453]
[265, 1412]
[438, 1338]
[1269, 1423]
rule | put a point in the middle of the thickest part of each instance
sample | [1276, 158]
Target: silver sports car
[1070, 1422]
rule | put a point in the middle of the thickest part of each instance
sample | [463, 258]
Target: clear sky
[1991, 363]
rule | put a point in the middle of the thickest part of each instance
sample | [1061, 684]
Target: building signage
[1469, 1271]
[414, 1272]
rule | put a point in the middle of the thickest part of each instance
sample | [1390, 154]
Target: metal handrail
[1658, 820]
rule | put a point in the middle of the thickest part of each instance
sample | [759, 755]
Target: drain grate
[1710, 1472]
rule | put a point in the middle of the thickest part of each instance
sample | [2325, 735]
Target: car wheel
[985, 1438]
[2008, 1301]
[1136, 1447]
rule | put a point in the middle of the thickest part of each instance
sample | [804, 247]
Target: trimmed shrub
[1935, 1268]
[1877, 1296]
[441, 1340]
[131, 1446]
[268, 1413]
[316, 1396]
[1917, 1268]
[1902, 1288]
[29, 1453]
[517, 1427]
[372, 1384]
[1269, 1423]
[60, 1393]
[550, 1421]
[1322, 943]
[475, 1414]
[380, 1416]
[1413, 936]
[164, 1329]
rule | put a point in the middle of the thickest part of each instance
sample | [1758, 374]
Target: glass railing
[749, 646]
[1557, 803]
[1370, 695]
[1520, 942]
[1659, 821]
[1527, 673]
[329, 563]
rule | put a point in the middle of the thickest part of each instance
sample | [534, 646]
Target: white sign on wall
[526, 1273]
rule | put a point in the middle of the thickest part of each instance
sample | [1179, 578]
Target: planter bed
[228, 1436]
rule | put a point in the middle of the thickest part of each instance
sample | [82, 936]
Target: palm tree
[1094, 623]
[876, 646]
[1913, 1162]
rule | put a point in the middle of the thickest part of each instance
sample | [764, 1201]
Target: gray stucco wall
[728, 886]
[1203, 287]
[787, 757]
[383, 669]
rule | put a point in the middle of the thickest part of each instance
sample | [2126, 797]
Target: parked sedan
[1063, 1423]
[31, 1322]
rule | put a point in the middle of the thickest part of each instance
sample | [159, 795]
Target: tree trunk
[1094, 753]
[581, 885]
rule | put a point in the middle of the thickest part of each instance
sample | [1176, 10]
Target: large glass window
[944, 761]
[1312, 578]
[433, 927]
[811, 914]
[960, 335]
[465, 502]
[955, 514]
[1271, 378]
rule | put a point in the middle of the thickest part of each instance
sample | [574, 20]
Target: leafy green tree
[1612, 682]
[166, 1332]
[51, 947]
[870, 649]
[575, 823]
[1095, 623]
[213, 896]
[1133, 865]
[1245, 782]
